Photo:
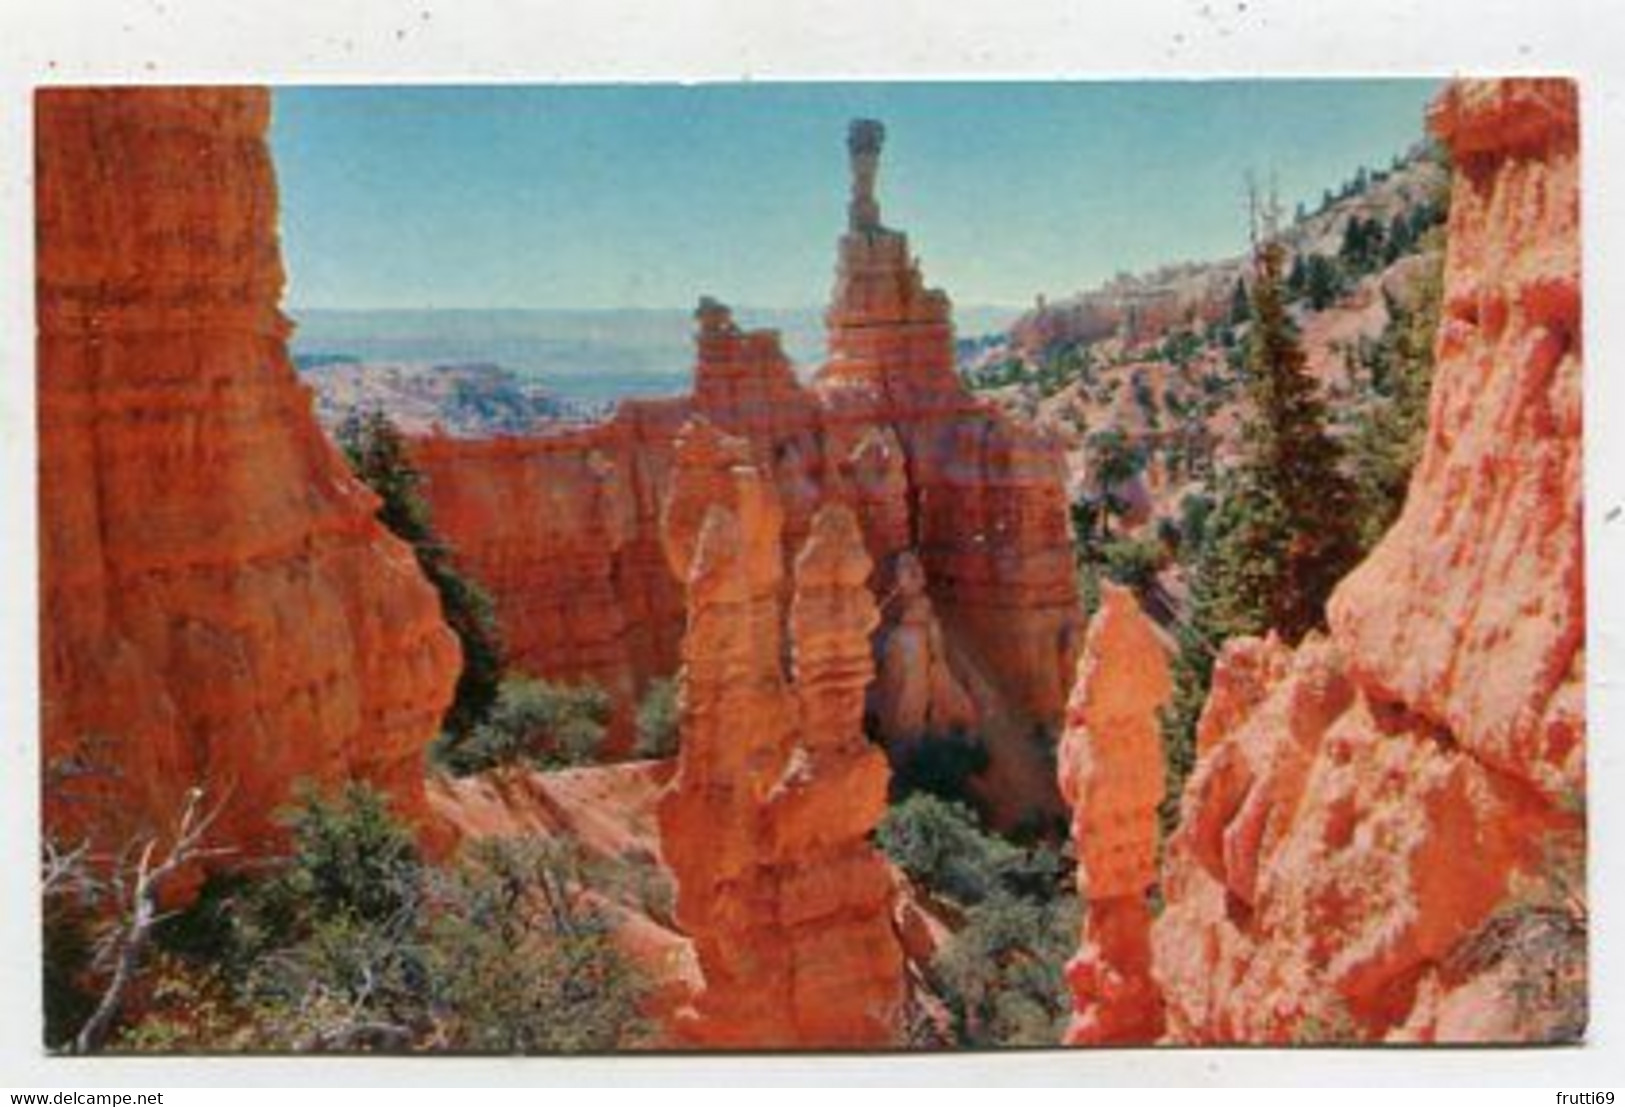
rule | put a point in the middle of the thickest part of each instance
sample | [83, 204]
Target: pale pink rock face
[1472, 610]
[1363, 805]
[219, 607]
[916, 692]
[1111, 773]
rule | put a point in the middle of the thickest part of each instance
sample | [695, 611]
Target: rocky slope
[609, 812]
[1380, 817]
[218, 606]
[563, 528]
[1136, 309]
[1155, 358]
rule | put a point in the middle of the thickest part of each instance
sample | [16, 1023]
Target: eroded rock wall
[563, 533]
[219, 607]
[1365, 806]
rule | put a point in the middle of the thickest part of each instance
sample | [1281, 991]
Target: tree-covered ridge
[1241, 432]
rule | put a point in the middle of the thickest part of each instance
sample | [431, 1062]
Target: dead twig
[129, 940]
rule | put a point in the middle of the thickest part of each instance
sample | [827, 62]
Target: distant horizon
[636, 197]
[630, 309]
[584, 353]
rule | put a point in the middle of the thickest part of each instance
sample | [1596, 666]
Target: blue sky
[646, 196]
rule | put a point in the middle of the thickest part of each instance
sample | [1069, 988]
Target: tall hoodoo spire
[864, 138]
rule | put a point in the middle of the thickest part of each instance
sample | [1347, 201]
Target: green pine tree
[1283, 534]
[1240, 305]
[1388, 434]
[376, 451]
[1294, 539]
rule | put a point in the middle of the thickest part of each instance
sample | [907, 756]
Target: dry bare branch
[128, 941]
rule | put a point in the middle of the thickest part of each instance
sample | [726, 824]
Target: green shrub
[521, 961]
[657, 720]
[941, 845]
[637, 878]
[377, 453]
[939, 764]
[356, 945]
[1538, 939]
[68, 947]
[206, 930]
[1088, 576]
[1388, 432]
[539, 723]
[1002, 976]
[1132, 562]
[352, 859]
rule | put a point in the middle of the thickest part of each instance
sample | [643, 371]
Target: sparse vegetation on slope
[354, 943]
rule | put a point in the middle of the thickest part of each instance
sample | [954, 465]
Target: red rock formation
[218, 605]
[765, 825]
[873, 478]
[563, 530]
[1472, 611]
[915, 690]
[987, 498]
[1365, 803]
[1112, 774]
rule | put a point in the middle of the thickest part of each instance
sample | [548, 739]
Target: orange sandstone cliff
[765, 824]
[1365, 807]
[1111, 773]
[962, 513]
[218, 606]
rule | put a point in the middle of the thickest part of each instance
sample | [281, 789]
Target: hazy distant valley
[509, 371]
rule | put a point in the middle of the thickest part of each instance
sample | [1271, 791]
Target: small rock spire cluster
[765, 826]
[564, 528]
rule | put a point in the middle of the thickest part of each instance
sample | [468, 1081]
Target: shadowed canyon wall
[963, 513]
[1364, 805]
[218, 606]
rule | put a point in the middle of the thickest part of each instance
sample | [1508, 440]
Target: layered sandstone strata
[1112, 775]
[765, 825]
[563, 533]
[1367, 806]
[987, 497]
[219, 607]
